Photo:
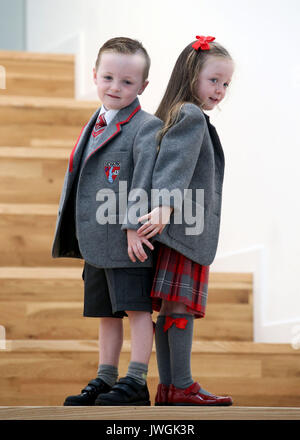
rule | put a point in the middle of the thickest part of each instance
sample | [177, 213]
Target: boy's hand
[135, 246]
[157, 220]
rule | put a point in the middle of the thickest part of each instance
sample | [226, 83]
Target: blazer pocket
[138, 279]
[191, 226]
[117, 240]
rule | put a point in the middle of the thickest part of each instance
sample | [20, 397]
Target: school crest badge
[112, 169]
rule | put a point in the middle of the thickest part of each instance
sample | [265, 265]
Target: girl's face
[213, 81]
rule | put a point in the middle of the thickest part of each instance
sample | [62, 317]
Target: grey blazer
[129, 141]
[189, 158]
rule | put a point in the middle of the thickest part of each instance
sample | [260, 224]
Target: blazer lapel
[81, 141]
[220, 158]
[112, 130]
[115, 127]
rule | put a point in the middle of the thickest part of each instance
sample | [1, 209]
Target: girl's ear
[145, 83]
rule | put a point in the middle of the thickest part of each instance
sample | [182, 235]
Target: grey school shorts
[110, 292]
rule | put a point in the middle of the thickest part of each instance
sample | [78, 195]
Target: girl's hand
[135, 246]
[157, 220]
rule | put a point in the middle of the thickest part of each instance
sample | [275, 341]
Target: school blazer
[129, 143]
[189, 158]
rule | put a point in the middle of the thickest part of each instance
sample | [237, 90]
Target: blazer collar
[113, 129]
[122, 117]
[125, 114]
[81, 141]
[215, 139]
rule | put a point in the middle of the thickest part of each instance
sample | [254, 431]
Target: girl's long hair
[183, 83]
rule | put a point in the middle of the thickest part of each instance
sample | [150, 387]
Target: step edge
[18, 152]
[207, 347]
[37, 56]
[36, 102]
[28, 209]
[7, 272]
[148, 413]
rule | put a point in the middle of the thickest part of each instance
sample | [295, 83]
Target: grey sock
[108, 373]
[162, 351]
[180, 343]
[138, 371]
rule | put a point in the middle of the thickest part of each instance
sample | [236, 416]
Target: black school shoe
[88, 394]
[126, 392]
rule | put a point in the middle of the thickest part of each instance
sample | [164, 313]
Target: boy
[115, 153]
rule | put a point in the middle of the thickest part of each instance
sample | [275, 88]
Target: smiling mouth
[113, 96]
[214, 100]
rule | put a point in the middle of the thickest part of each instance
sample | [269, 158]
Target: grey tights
[173, 349]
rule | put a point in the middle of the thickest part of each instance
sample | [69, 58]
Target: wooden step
[34, 175]
[27, 232]
[150, 413]
[254, 374]
[38, 74]
[25, 121]
[47, 303]
[18, 281]
[64, 320]
[53, 143]
[23, 248]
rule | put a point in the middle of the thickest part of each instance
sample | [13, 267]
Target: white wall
[257, 122]
[12, 25]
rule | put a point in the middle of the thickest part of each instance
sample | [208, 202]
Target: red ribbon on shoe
[202, 42]
[179, 322]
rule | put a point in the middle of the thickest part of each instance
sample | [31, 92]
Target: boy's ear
[95, 75]
[145, 83]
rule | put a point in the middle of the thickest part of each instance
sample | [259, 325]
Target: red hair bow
[202, 42]
[179, 322]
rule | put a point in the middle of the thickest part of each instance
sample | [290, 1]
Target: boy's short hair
[125, 45]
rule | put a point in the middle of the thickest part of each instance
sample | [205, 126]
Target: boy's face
[119, 79]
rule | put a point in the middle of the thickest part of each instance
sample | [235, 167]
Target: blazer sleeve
[144, 156]
[177, 157]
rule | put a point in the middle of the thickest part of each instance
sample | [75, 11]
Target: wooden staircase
[38, 74]
[51, 349]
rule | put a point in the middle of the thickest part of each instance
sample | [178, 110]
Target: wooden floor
[42, 373]
[149, 413]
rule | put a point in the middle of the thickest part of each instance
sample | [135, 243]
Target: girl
[190, 160]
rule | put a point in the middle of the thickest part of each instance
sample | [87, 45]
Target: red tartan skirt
[177, 278]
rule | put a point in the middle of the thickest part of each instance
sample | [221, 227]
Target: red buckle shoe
[161, 397]
[192, 396]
